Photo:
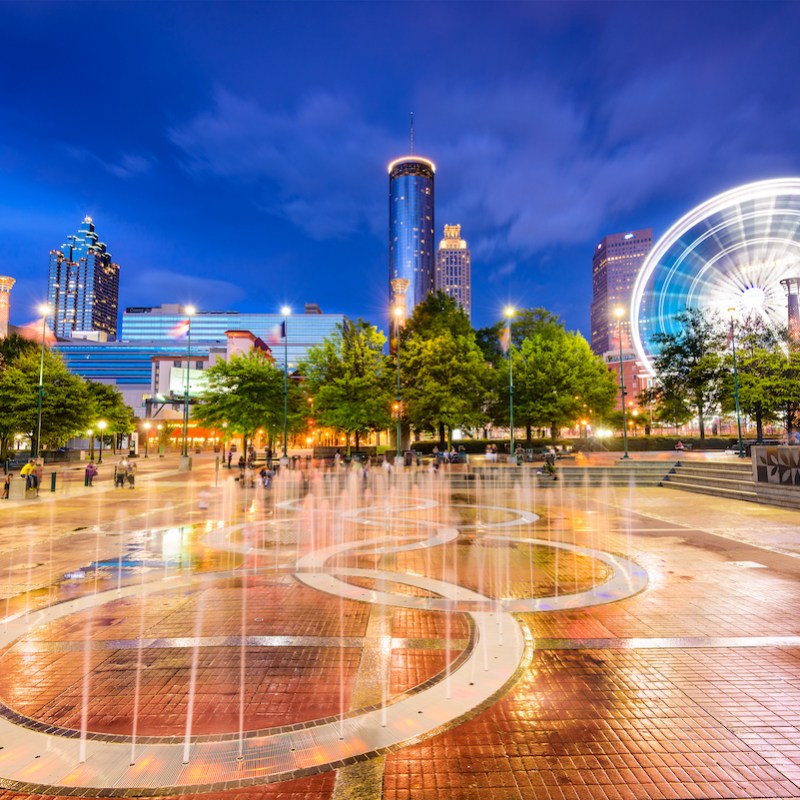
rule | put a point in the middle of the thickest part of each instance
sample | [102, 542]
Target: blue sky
[234, 155]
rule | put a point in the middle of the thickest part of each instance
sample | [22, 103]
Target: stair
[733, 481]
[622, 473]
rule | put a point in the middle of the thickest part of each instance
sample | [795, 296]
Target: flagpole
[189, 310]
[285, 311]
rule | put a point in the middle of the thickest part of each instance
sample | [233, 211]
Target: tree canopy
[66, 404]
[246, 392]
[445, 376]
[350, 379]
[689, 365]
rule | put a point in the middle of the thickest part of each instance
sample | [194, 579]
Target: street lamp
[90, 433]
[101, 426]
[44, 310]
[190, 312]
[736, 382]
[285, 310]
[619, 313]
[146, 425]
[509, 312]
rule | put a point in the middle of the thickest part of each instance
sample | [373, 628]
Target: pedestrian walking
[91, 472]
[230, 457]
[7, 485]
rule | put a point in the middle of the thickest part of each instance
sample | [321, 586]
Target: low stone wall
[776, 464]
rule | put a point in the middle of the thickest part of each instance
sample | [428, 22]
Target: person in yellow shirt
[27, 473]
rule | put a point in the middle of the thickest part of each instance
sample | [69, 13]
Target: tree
[760, 364]
[107, 404]
[247, 393]
[670, 404]
[689, 365]
[66, 407]
[351, 379]
[13, 346]
[557, 378]
[445, 375]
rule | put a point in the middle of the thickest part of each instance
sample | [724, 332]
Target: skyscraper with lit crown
[411, 231]
[83, 287]
[453, 265]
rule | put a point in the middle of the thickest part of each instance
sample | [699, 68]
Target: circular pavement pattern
[44, 759]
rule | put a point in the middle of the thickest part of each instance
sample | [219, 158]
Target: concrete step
[709, 480]
[716, 491]
[739, 470]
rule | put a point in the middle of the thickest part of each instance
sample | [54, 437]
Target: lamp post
[285, 310]
[101, 426]
[90, 434]
[190, 312]
[44, 310]
[400, 304]
[736, 383]
[146, 425]
[619, 313]
[509, 312]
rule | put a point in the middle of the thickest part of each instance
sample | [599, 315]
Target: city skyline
[244, 167]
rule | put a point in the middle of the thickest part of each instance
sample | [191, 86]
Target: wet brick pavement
[689, 689]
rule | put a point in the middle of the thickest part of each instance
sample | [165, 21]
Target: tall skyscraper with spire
[83, 287]
[453, 268]
[411, 229]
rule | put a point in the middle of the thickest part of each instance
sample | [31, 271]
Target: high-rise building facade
[411, 232]
[83, 287]
[616, 262]
[453, 268]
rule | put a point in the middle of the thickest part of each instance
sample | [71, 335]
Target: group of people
[32, 472]
[451, 456]
[124, 472]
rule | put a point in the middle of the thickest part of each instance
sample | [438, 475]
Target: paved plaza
[412, 636]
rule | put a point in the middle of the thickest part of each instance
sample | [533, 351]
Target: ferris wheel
[728, 255]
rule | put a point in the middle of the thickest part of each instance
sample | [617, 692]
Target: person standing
[38, 474]
[130, 473]
[120, 470]
[230, 457]
[91, 472]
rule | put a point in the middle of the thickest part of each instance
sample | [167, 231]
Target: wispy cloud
[150, 286]
[314, 163]
[127, 165]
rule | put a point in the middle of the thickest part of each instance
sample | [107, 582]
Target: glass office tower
[411, 246]
[83, 287]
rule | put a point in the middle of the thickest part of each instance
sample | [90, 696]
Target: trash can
[408, 458]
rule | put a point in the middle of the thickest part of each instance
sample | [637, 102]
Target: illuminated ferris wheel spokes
[728, 253]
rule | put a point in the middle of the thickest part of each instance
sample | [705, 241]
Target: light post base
[185, 464]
